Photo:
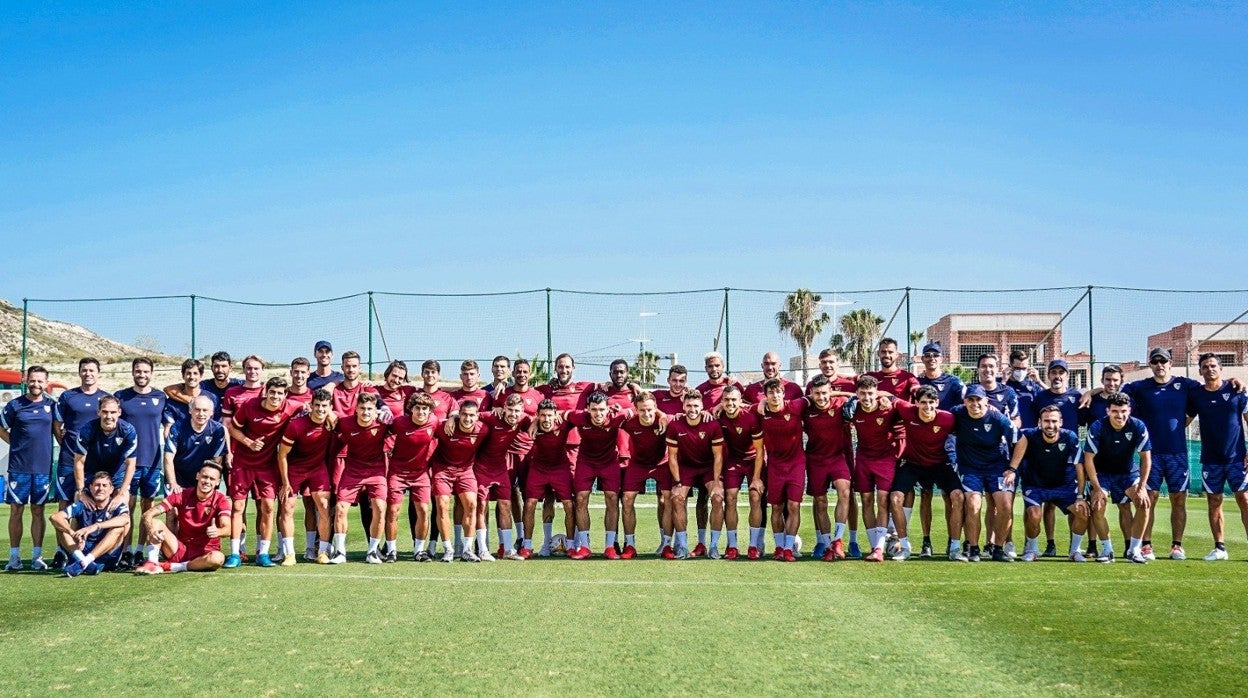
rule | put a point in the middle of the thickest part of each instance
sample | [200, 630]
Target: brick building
[964, 336]
[1187, 342]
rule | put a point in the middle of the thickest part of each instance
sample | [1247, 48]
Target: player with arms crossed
[1052, 473]
[1109, 463]
[29, 424]
[829, 464]
[646, 460]
[204, 516]
[303, 466]
[91, 529]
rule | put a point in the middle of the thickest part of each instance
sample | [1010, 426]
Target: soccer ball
[559, 544]
[797, 545]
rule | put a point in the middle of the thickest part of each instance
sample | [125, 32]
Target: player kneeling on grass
[1053, 474]
[1109, 463]
[92, 529]
[203, 516]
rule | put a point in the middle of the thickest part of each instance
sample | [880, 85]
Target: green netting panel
[1124, 319]
[280, 332]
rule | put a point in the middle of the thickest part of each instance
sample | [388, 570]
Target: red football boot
[668, 553]
[731, 554]
[610, 553]
[837, 550]
[754, 553]
[778, 554]
[629, 553]
[699, 550]
[526, 553]
[876, 555]
[788, 555]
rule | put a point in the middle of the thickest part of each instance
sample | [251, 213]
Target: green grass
[641, 627]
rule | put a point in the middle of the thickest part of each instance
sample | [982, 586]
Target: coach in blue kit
[1109, 462]
[108, 443]
[78, 407]
[28, 424]
[92, 528]
[983, 438]
[1051, 475]
[192, 441]
[1221, 409]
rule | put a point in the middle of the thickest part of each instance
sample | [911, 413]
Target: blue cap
[323, 344]
[975, 391]
[932, 348]
[1059, 363]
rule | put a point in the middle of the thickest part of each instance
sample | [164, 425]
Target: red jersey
[477, 395]
[345, 399]
[195, 515]
[925, 441]
[443, 403]
[257, 422]
[550, 449]
[502, 444]
[739, 435]
[599, 444]
[459, 450]
[712, 393]
[647, 448]
[877, 438]
[670, 405]
[304, 399]
[782, 433]
[364, 447]
[899, 383]
[235, 396]
[694, 443]
[532, 396]
[827, 432]
[309, 443]
[413, 444]
[754, 392]
[621, 397]
[567, 397]
[394, 400]
[841, 384]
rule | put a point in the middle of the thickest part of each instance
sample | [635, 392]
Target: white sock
[88, 559]
[509, 539]
[610, 539]
[907, 511]
[756, 537]
[482, 542]
[153, 555]
[1107, 546]
[528, 543]
[582, 539]
[838, 531]
[177, 567]
[372, 544]
[955, 546]
[15, 553]
[732, 538]
[665, 539]
[1133, 545]
[715, 540]
[1076, 543]
[262, 547]
[682, 539]
[340, 542]
[905, 544]
[630, 539]
[36, 552]
[418, 545]
[287, 544]
[788, 542]
[324, 547]
[309, 538]
[702, 536]
[79, 556]
[1031, 544]
[235, 546]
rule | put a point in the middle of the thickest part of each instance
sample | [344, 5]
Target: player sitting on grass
[92, 529]
[203, 518]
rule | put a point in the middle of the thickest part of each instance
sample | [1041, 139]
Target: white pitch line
[747, 583]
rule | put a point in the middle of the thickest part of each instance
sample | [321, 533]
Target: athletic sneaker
[876, 555]
[837, 549]
[1147, 552]
[289, 561]
[263, 560]
[373, 557]
[901, 555]
[778, 554]
[610, 553]
[629, 553]
[127, 562]
[713, 553]
[149, 567]
[391, 556]
[38, 564]
[1177, 553]
[338, 557]
[1217, 554]
[1050, 550]
[1030, 555]
[682, 553]
[1137, 556]
[699, 550]
[544, 551]
[925, 552]
[309, 554]
[525, 553]
[580, 553]
[231, 561]
[486, 556]
[754, 553]
[819, 550]
[973, 556]
[789, 556]
[93, 569]
[797, 546]
[1009, 550]
[1105, 558]
[469, 556]
[322, 558]
[501, 552]
[422, 556]
[667, 553]
[957, 555]
[73, 569]
[1077, 556]
[854, 551]
[513, 555]
[1001, 555]
[59, 560]
[731, 554]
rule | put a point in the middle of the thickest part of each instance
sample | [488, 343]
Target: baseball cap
[975, 391]
[932, 348]
[323, 344]
[1156, 352]
[1059, 363]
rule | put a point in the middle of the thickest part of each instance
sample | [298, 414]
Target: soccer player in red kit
[645, 459]
[876, 422]
[830, 368]
[395, 390]
[251, 387]
[507, 441]
[743, 463]
[695, 457]
[597, 460]
[255, 433]
[203, 517]
[530, 396]
[926, 462]
[444, 404]
[453, 478]
[363, 438]
[470, 387]
[303, 465]
[897, 382]
[567, 394]
[550, 472]
[299, 392]
[671, 402]
[712, 388]
[414, 442]
[786, 463]
[755, 393]
[829, 464]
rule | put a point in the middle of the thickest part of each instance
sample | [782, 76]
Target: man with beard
[1066, 399]
[143, 407]
[324, 374]
[78, 408]
[743, 463]
[29, 424]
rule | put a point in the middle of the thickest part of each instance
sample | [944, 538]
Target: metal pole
[25, 313]
[370, 335]
[1091, 346]
[727, 335]
[192, 325]
[909, 342]
[550, 354]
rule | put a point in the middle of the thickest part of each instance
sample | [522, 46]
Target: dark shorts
[607, 476]
[694, 477]
[538, 482]
[1063, 497]
[1215, 478]
[28, 488]
[493, 487]
[910, 476]
[1171, 468]
[418, 485]
[988, 482]
[636, 476]
[148, 482]
[1116, 486]
[785, 485]
[822, 472]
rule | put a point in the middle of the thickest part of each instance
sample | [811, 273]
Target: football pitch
[647, 626]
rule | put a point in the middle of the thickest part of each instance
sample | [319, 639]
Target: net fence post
[370, 335]
[192, 325]
[25, 315]
[550, 363]
[727, 336]
[1091, 346]
[909, 334]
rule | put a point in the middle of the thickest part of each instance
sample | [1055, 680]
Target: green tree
[860, 330]
[916, 344]
[802, 319]
[645, 368]
[539, 370]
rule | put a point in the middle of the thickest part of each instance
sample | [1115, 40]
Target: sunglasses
[1158, 361]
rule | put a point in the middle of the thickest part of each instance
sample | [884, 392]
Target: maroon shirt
[395, 400]
[827, 433]
[257, 422]
[900, 383]
[478, 396]
[693, 443]
[365, 447]
[443, 403]
[841, 384]
[550, 449]
[670, 405]
[599, 444]
[309, 443]
[712, 393]
[502, 443]
[754, 392]
[235, 396]
[413, 445]
[195, 515]
[647, 448]
[925, 441]
[739, 435]
[459, 450]
[782, 435]
[531, 398]
[877, 437]
[304, 399]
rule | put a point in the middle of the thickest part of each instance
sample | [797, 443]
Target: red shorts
[607, 476]
[335, 477]
[635, 477]
[736, 472]
[872, 474]
[453, 481]
[538, 481]
[191, 549]
[262, 484]
[304, 482]
[785, 485]
[493, 487]
[822, 472]
[349, 487]
[417, 484]
[694, 477]
[519, 474]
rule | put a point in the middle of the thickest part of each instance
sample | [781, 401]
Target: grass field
[642, 627]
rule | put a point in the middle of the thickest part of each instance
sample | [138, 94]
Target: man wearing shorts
[204, 516]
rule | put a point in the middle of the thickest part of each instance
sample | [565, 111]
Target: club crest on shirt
[373, 431]
[787, 416]
[935, 429]
[1225, 397]
[1177, 386]
[47, 408]
[1061, 447]
[987, 427]
[739, 430]
[701, 435]
[472, 440]
[208, 440]
[117, 440]
[1128, 436]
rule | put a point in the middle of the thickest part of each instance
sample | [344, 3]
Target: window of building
[1225, 359]
[1079, 378]
[968, 354]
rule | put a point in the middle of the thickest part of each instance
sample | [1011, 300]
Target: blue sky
[172, 148]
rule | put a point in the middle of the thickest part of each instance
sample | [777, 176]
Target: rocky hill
[55, 340]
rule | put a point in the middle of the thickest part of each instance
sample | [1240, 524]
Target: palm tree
[916, 341]
[860, 329]
[646, 368]
[539, 370]
[803, 320]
